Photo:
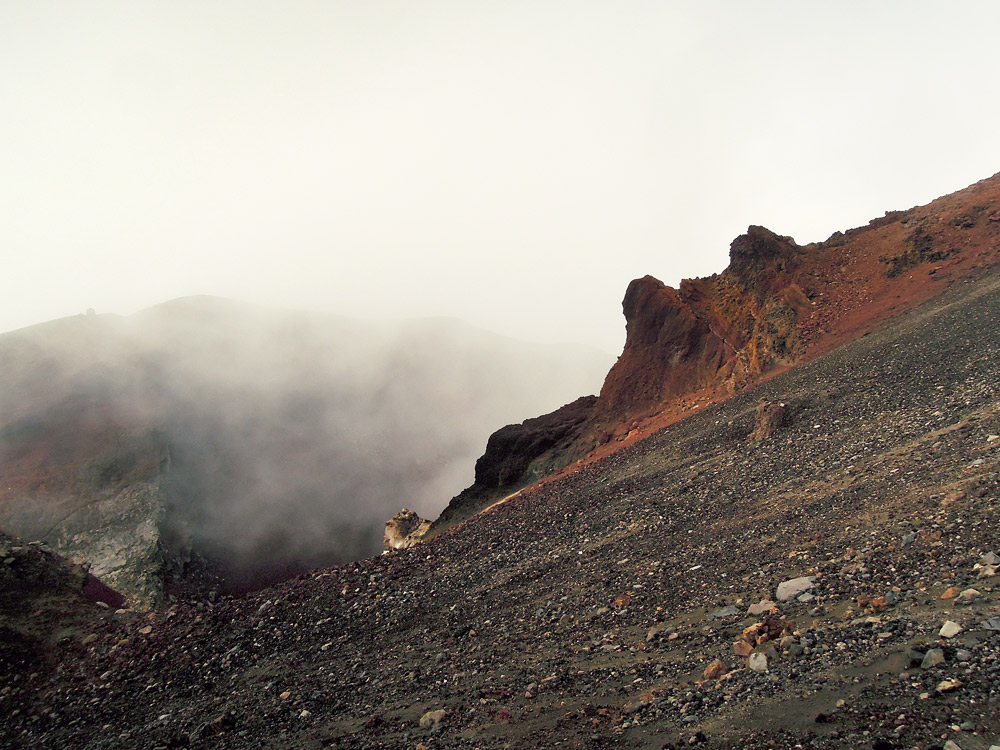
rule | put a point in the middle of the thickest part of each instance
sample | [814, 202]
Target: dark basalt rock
[517, 455]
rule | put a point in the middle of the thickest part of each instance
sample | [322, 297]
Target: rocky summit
[727, 574]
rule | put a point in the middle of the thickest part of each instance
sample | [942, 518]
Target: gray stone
[794, 587]
[932, 658]
[909, 539]
[725, 612]
[916, 657]
[990, 558]
[991, 624]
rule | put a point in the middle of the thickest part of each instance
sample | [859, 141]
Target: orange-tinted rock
[716, 669]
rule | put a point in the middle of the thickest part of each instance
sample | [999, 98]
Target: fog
[279, 440]
[514, 164]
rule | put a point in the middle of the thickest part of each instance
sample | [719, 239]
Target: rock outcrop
[519, 454]
[727, 329]
[405, 529]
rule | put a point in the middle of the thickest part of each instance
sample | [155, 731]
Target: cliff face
[519, 454]
[727, 329]
[774, 305]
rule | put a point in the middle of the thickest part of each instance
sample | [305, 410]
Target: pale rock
[404, 530]
[757, 662]
[950, 629]
[793, 587]
[764, 605]
[432, 719]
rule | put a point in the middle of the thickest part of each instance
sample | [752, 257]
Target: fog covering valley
[274, 441]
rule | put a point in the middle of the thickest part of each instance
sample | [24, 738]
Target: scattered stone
[656, 632]
[742, 648]
[716, 669]
[992, 623]
[432, 719]
[916, 657]
[990, 558]
[951, 745]
[764, 605]
[950, 629]
[932, 658]
[968, 596]
[725, 612]
[305, 714]
[146, 630]
[909, 539]
[757, 662]
[285, 695]
[793, 587]
[768, 420]
[951, 592]
[946, 686]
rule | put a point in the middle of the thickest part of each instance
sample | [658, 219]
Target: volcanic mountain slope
[776, 304]
[626, 603]
[263, 442]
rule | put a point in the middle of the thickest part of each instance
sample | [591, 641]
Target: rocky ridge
[776, 304]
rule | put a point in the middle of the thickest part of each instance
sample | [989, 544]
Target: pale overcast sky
[510, 163]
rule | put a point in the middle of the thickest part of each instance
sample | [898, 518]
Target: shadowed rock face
[519, 454]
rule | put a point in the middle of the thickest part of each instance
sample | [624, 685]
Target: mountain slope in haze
[776, 304]
[204, 437]
[632, 602]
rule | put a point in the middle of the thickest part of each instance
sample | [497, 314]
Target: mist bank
[207, 435]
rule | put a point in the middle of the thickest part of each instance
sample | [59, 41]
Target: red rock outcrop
[729, 328]
[776, 304]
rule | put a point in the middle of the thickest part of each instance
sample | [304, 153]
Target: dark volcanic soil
[584, 613]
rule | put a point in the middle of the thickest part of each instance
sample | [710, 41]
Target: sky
[513, 164]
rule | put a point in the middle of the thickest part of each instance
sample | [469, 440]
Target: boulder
[405, 529]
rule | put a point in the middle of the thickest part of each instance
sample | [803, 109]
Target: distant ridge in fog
[269, 440]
